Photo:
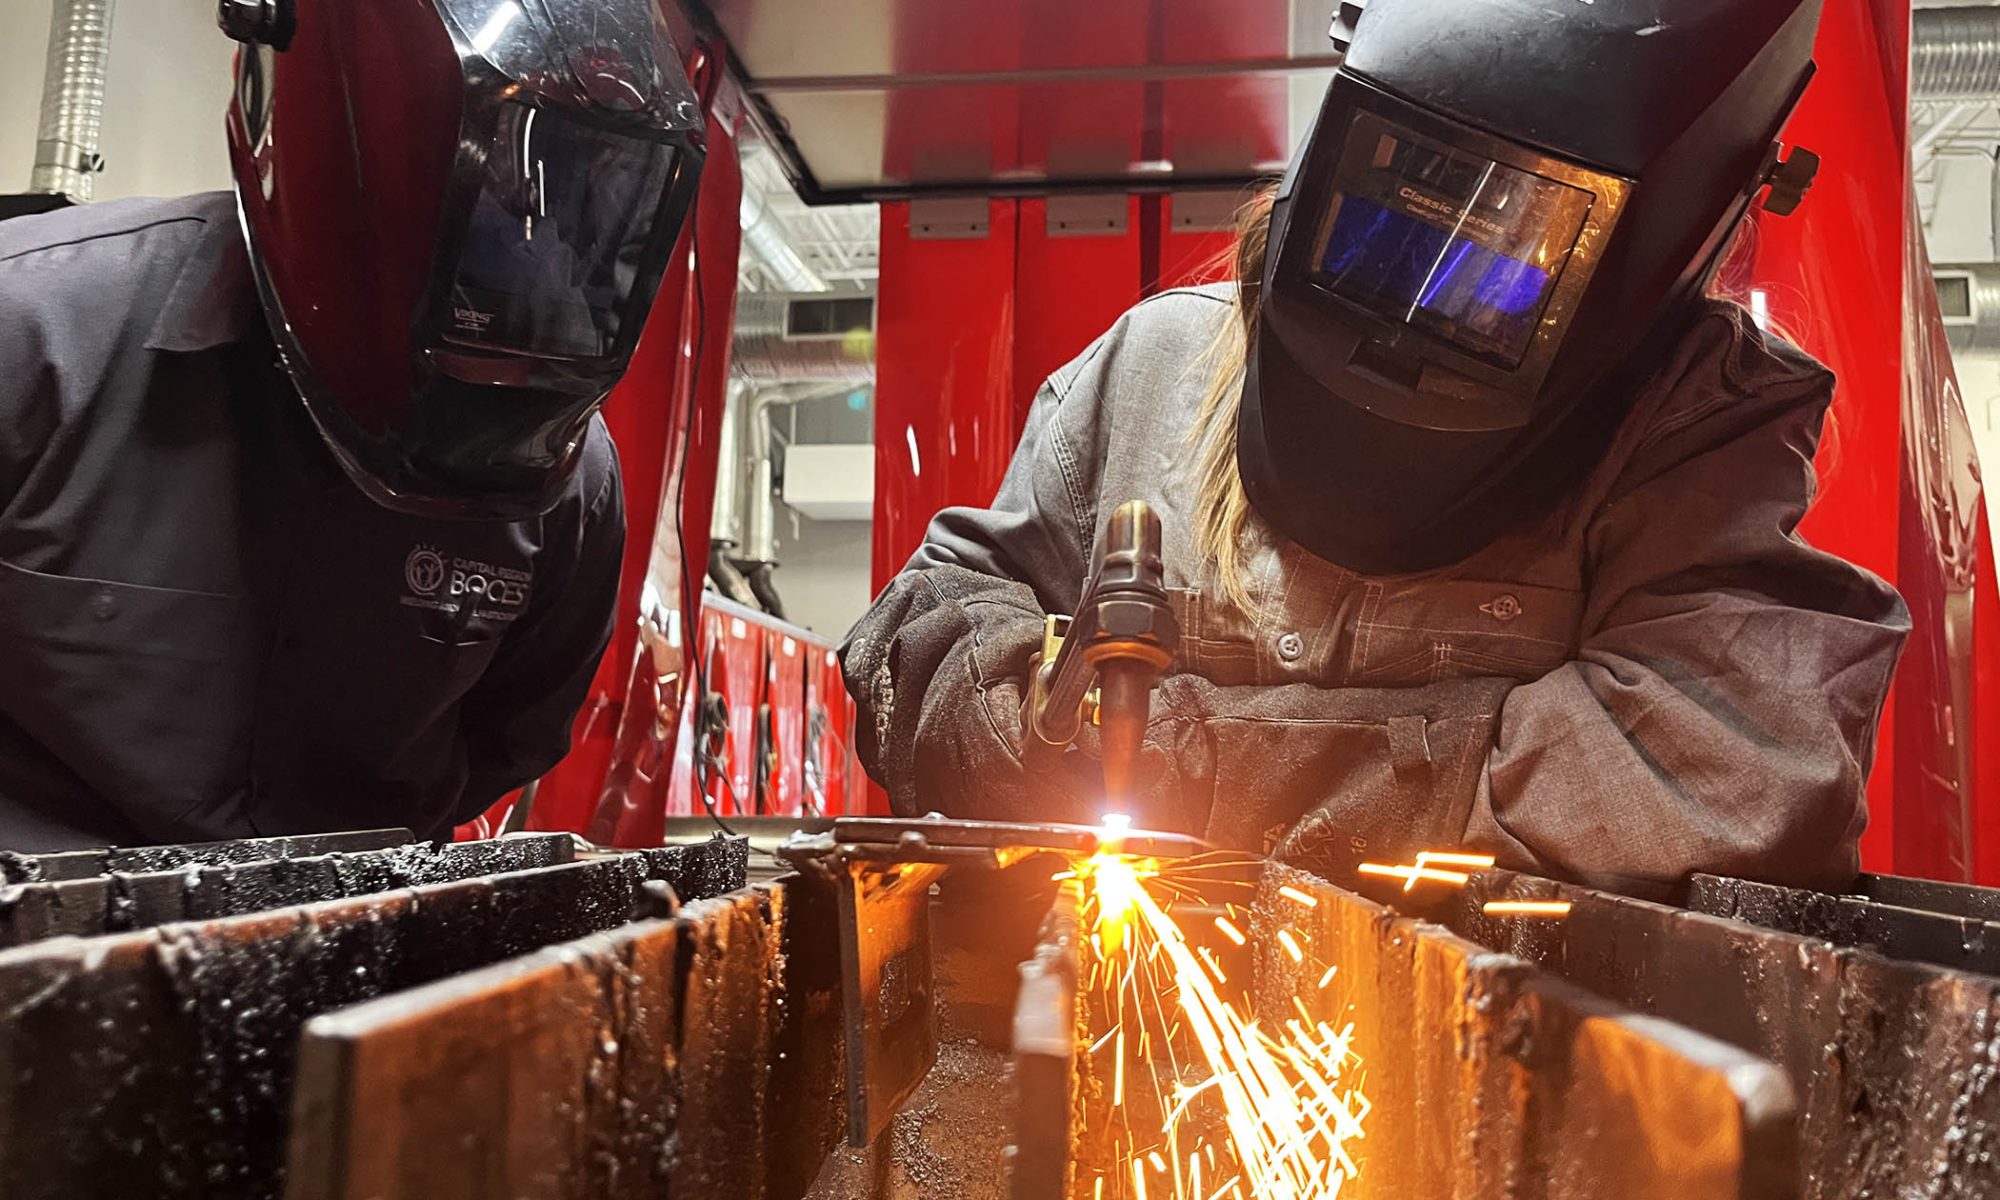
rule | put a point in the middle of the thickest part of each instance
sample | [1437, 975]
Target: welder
[1480, 510]
[307, 520]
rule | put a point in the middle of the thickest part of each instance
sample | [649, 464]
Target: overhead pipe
[1955, 54]
[765, 239]
[66, 158]
[763, 355]
[726, 527]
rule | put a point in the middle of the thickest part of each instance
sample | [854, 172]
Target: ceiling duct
[66, 157]
[820, 337]
[764, 237]
[1955, 54]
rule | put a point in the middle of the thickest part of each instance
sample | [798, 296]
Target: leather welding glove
[1326, 778]
[941, 664]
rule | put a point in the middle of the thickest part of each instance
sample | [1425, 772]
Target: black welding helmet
[458, 213]
[1503, 207]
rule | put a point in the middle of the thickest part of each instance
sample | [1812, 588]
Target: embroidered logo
[1503, 608]
[423, 570]
[450, 584]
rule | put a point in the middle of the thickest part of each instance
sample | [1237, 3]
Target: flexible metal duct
[765, 238]
[764, 355]
[1955, 54]
[66, 155]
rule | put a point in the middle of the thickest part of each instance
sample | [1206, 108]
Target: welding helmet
[1503, 213]
[458, 212]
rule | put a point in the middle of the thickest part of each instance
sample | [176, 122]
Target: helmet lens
[1459, 246]
[559, 234]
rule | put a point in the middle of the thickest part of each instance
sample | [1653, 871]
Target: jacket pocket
[140, 691]
[1424, 631]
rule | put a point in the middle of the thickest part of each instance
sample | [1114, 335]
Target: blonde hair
[1222, 508]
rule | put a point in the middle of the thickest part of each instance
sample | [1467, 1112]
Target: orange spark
[1411, 874]
[1298, 897]
[1546, 909]
[1285, 1116]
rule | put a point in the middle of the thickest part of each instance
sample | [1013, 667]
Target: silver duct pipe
[765, 240]
[764, 356]
[727, 525]
[760, 531]
[1955, 54]
[66, 157]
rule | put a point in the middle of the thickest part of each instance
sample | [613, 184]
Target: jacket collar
[213, 301]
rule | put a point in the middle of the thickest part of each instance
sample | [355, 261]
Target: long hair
[1222, 510]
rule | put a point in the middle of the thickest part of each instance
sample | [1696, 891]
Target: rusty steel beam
[698, 1056]
[951, 1133]
[120, 903]
[1961, 943]
[1951, 899]
[160, 1063]
[82, 864]
[1894, 1062]
[1049, 1017]
[634, 1063]
[1487, 1077]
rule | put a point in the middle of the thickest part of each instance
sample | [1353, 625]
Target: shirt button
[1291, 647]
[104, 606]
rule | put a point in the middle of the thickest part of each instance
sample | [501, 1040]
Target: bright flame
[1263, 1109]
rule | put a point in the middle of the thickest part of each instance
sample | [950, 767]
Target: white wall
[168, 86]
[824, 573]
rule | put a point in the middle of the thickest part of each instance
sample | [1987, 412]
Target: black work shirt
[206, 630]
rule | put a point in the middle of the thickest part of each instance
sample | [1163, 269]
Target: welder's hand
[940, 667]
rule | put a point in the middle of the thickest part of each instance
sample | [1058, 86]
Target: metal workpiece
[882, 873]
[136, 860]
[1962, 943]
[161, 1063]
[645, 1061]
[1925, 895]
[696, 1056]
[1894, 1062]
[1489, 1077]
[549, 1075]
[728, 1026]
[120, 902]
[957, 1132]
[1048, 1020]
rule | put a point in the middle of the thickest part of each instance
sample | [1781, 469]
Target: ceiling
[889, 99]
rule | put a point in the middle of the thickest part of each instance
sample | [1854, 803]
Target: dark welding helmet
[458, 212]
[1500, 219]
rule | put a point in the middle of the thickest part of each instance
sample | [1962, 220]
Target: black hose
[765, 588]
[728, 580]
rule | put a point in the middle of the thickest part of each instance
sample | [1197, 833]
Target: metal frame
[773, 130]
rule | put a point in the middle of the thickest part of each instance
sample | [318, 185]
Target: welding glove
[939, 668]
[1326, 778]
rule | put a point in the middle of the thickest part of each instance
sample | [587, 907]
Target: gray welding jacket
[1662, 677]
[206, 630]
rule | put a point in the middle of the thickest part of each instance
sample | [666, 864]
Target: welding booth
[1046, 184]
[829, 1002]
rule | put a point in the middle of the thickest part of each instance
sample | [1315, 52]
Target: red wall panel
[945, 415]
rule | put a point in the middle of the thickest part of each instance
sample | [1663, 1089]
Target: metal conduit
[66, 157]
[1955, 54]
[763, 355]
